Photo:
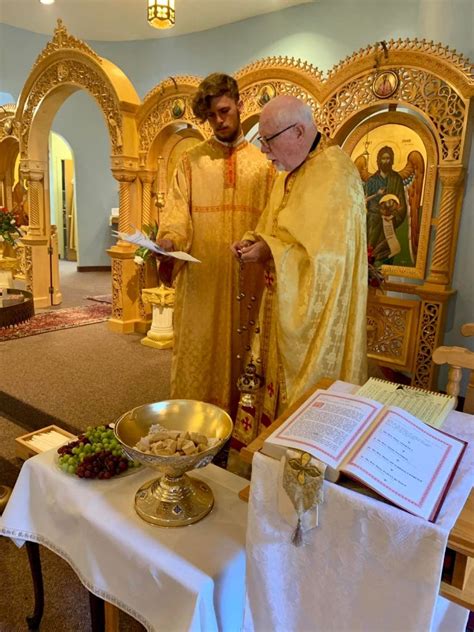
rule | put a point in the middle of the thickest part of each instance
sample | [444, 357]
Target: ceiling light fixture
[160, 13]
[47, 1]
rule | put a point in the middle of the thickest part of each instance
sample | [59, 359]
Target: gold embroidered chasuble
[313, 312]
[217, 194]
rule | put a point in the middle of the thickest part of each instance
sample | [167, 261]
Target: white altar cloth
[368, 567]
[189, 578]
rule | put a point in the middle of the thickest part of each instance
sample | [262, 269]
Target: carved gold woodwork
[141, 285]
[391, 327]
[117, 289]
[442, 262]
[436, 86]
[125, 179]
[146, 178]
[61, 40]
[158, 111]
[9, 147]
[20, 270]
[435, 89]
[65, 65]
[428, 338]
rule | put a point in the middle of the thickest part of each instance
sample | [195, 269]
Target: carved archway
[434, 86]
[64, 66]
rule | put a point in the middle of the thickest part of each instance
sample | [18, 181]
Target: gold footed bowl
[174, 499]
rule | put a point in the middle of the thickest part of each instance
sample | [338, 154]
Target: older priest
[312, 241]
[218, 192]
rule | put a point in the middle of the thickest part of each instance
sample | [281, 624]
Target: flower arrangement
[375, 277]
[142, 253]
[9, 231]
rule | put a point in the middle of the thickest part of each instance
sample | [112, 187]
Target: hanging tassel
[297, 537]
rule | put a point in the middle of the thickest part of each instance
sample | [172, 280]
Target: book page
[327, 426]
[406, 461]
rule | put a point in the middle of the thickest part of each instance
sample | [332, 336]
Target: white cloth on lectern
[369, 566]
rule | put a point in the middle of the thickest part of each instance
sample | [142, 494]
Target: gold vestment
[217, 194]
[313, 312]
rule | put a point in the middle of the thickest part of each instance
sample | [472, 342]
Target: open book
[141, 240]
[432, 408]
[398, 456]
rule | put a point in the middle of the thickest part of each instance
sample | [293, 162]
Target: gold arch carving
[67, 64]
[156, 112]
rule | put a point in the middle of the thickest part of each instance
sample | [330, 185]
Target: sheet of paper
[423, 405]
[142, 241]
[380, 390]
[406, 461]
[432, 408]
[327, 425]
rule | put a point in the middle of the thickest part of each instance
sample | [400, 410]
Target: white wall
[322, 33]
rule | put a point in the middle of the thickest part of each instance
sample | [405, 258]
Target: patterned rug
[101, 298]
[58, 319]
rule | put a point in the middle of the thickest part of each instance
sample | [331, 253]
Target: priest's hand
[258, 252]
[237, 247]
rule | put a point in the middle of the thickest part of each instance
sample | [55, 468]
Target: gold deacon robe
[217, 194]
[313, 312]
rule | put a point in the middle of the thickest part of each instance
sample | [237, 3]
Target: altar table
[187, 578]
[368, 566]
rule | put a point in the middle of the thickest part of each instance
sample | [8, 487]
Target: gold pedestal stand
[174, 502]
[160, 334]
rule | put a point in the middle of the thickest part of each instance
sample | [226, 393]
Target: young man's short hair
[214, 85]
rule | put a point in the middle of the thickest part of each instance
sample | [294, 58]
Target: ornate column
[160, 335]
[447, 225]
[125, 282]
[146, 178]
[125, 179]
[39, 264]
[35, 179]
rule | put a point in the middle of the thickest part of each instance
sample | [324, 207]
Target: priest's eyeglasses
[265, 140]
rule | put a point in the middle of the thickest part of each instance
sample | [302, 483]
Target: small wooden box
[24, 449]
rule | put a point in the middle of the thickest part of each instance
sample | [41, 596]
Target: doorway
[63, 196]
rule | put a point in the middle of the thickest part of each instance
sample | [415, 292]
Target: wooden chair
[458, 358]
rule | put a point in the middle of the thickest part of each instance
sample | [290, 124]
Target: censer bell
[248, 384]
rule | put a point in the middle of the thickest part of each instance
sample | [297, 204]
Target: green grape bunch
[95, 454]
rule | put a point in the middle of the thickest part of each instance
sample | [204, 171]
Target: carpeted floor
[58, 319]
[73, 378]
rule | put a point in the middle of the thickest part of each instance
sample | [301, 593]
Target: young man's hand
[164, 244]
